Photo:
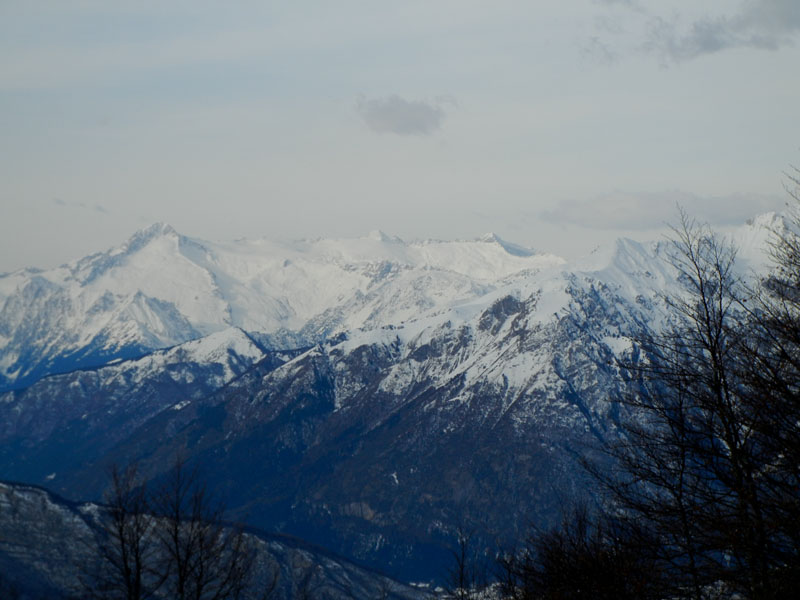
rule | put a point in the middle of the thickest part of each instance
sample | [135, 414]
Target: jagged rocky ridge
[380, 428]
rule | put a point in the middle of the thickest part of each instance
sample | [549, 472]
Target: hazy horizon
[557, 126]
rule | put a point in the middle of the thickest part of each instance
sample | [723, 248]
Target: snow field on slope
[160, 288]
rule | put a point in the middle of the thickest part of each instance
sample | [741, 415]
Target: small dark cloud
[59, 201]
[394, 114]
[652, 210]
[100, 209]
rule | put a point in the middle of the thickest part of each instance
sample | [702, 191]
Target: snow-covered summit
[379, 236]
[511, 248]
[754, 239]
[160, 288]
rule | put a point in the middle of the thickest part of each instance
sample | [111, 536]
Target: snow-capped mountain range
[161, 288]
[371, 395]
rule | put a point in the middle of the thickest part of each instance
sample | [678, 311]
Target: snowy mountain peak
[377, 235]
[768, 220]
[156, 230]
[156, 244]
[160, 289]
[148, 234]
[216, 346]
[753, 240]
[513, 249]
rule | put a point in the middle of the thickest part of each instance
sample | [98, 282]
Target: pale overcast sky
[554, 124]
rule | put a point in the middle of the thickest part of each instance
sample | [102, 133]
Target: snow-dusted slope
[160, 289]
[74, 418]
[382, 443]
[464, 378]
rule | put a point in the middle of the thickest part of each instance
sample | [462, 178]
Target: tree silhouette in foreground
[704, 490]
[469, 575]
[124, 568]
[171, 542]
[702, 465]
[200, 557]
[586, 557]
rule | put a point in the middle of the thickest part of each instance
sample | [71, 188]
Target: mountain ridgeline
[368, 395]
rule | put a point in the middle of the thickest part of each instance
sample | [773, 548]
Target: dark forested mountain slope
[48, 545]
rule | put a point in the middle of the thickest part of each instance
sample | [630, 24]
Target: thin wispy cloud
[397, 115]
[230, 122]
[599, 51]
[80, 205]
[652, 210]
[757, 24]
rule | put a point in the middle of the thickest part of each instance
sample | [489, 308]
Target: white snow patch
[619, 345]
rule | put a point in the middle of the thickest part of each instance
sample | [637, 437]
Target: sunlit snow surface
[160, 289]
